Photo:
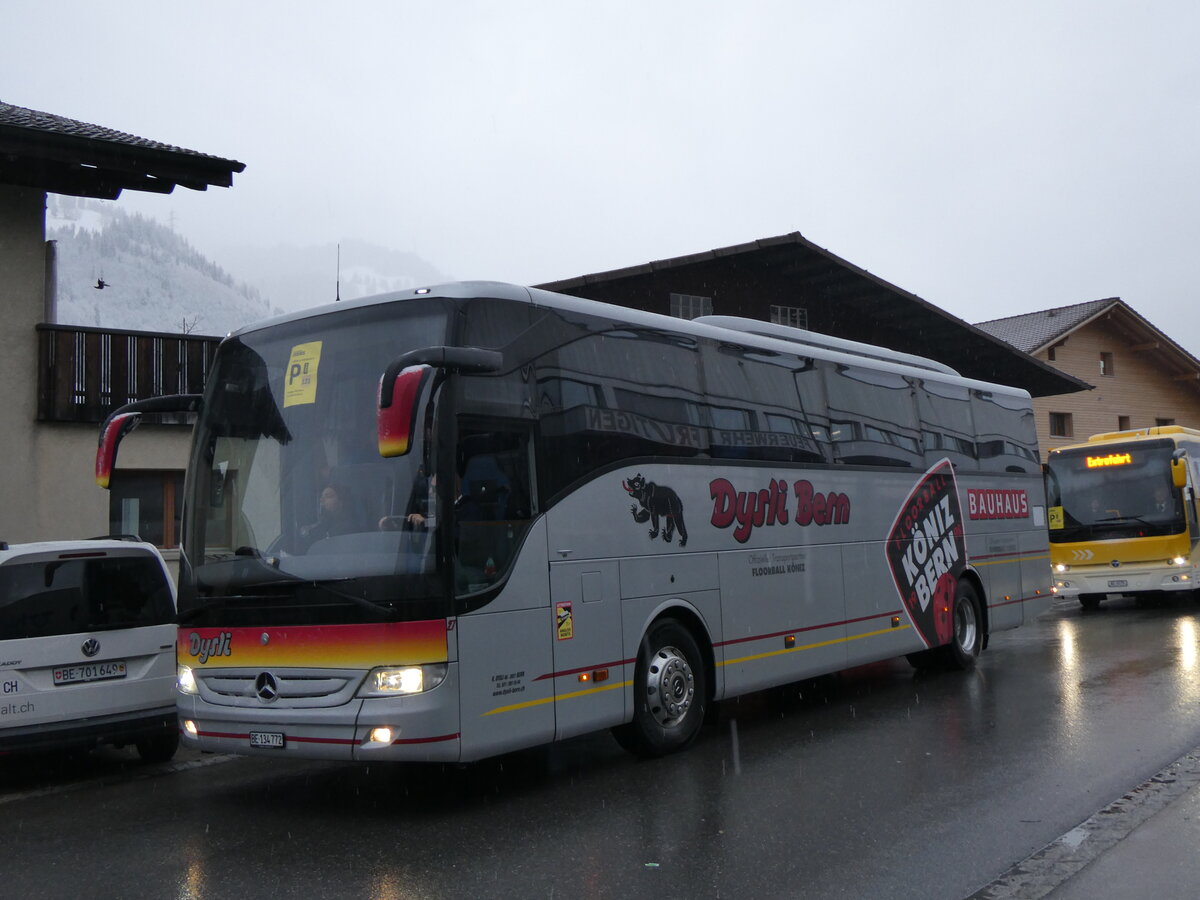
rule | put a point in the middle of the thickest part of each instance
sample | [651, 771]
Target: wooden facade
[1140, 376]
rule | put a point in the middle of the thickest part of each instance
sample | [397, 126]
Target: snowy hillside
[301, 277]
[153, 280]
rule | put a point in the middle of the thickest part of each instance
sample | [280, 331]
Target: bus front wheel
[670, 690]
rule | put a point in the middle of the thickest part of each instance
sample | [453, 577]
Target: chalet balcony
[85, 373]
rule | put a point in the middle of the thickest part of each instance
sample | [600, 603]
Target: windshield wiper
[284, 578]
[1122, 519]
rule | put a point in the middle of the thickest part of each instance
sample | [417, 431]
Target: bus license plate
[1118, 582]
[266, 739]
[113, 668]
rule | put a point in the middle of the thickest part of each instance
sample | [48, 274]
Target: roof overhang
[62, 156]
[839, 298]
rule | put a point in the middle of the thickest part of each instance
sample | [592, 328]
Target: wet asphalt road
[874, 783]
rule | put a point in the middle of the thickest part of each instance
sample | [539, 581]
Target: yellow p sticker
[300, 383]
[1054, 517]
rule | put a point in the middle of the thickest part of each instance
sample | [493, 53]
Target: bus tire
[967, 643]
[158, 748]
[1090, 602]
[670, 690]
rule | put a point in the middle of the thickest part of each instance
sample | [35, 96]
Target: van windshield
[70, 596]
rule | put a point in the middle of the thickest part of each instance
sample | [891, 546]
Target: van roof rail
[823, 341]
[117, 537]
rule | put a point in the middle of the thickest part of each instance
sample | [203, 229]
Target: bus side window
[494, 503]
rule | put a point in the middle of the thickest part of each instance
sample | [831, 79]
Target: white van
[87, 647]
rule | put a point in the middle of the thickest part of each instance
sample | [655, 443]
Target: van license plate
[1118, 582]
[266, 739]
[113, 668]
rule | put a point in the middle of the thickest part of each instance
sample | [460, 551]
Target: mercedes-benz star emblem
[265, 687]
[90, 647]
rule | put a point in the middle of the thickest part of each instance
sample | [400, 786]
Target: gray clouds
[994, 159]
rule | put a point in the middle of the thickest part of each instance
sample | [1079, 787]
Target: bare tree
[187, 326]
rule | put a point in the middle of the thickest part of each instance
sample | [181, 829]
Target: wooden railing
[86, 373]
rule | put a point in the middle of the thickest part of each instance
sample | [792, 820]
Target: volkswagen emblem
[265, 687]
[90, 647]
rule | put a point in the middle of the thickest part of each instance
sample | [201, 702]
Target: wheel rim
[965, 625]
[670, 686]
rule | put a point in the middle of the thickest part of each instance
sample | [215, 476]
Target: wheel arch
[972, 576]
[691, 619]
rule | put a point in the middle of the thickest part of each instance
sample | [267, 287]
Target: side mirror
[1179, 472]
[396, 417]
[124, 419]
[404, 380]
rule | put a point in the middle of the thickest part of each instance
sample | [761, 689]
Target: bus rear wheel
[670, 689]
[964, 648]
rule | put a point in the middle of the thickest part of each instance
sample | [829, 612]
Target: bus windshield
[290, 509]
[1114, 491]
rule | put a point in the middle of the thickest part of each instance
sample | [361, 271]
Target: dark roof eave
[1039, 378]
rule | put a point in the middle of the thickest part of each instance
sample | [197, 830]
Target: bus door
[588, 670]
[501, 590]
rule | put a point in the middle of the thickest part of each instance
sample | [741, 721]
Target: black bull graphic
[660, 505]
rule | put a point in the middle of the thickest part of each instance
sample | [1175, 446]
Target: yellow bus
[1121, 510]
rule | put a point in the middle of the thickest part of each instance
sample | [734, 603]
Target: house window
[1162, 422]
[1122, 423]
[1061, 425]
[146, 503]
[1106, 364]
[793, 316]
[1050, 354]
[687, 306]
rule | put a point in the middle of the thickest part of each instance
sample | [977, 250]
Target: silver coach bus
[448, 523]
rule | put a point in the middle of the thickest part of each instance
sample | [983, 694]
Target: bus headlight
[185, 680]
[1061, 567]
[389, 681]
[1179, 561]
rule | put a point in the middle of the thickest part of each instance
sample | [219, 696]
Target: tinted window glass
[755, 411]
[76, 595]
[872, 417]
[1007, 433]
[603, 396]
[946, 426]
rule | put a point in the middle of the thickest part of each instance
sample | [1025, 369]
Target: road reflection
[1070, 682]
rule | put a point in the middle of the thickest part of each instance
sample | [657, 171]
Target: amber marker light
[895, 621]
[584, 677]
[790, 641]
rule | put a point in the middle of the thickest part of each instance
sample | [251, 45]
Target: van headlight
[185, 680]
[392, 681]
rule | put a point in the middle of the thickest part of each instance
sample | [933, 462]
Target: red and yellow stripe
[315, 646]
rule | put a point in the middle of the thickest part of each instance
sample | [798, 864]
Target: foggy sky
[994, 159]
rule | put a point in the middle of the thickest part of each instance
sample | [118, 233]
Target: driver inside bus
[335, 515]
[1164, 503]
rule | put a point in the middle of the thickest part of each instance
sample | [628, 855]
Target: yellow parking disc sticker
[1054, 517]
[300, 385]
